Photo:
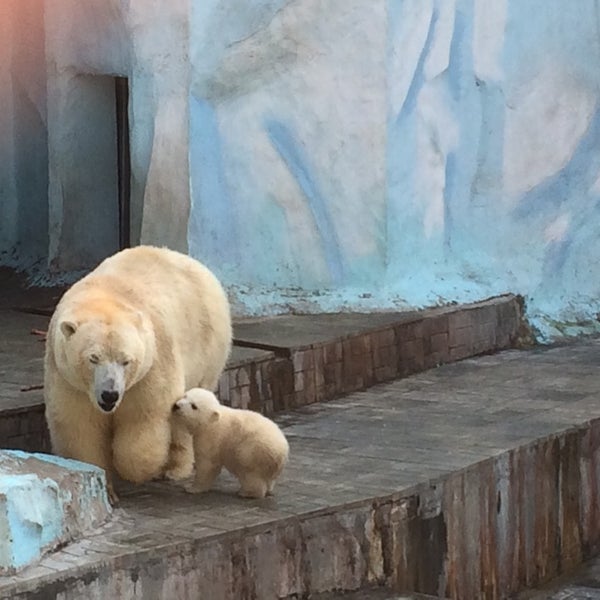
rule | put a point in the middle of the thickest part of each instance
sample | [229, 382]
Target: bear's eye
[125, 362]
[194, 407]
[94, 359]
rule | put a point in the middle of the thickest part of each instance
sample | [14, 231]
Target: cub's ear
[215, 416]
[68, 328]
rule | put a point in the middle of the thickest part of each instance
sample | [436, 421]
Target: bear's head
[103, 351]
[197, 408]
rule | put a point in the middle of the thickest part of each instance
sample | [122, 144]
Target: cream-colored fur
[248, 445]
[144, 326]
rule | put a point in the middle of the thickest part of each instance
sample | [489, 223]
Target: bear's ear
[215, 416]
[68, 328]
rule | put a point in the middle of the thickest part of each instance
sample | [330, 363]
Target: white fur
[248, 445]
[146, 324]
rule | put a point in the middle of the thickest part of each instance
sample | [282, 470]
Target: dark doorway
[84, 176]
[123, 160]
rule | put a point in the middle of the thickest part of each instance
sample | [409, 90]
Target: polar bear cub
[248, 445]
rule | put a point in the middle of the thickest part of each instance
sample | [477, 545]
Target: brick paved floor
[366, 445]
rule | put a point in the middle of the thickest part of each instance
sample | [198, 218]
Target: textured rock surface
[46, 502]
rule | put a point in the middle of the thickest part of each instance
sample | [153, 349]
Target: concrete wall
[492, 154]
[288, 98]
[88, 44]
[353, 155]
[58, 126]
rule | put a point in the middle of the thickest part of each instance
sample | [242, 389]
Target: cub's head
[197, 408]
[104, 354]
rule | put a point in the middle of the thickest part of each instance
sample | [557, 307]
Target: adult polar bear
[125, 343]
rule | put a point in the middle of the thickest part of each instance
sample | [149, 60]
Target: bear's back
[250, 433]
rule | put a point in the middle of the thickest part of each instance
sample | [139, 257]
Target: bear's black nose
[175, 407]
[109, 398]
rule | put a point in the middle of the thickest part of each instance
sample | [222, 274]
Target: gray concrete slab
[241, 356]
[21, 359]
[367, 445]
[16, 293]
[300, 331]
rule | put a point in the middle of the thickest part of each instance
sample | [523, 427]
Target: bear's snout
[109, 385]
[110, 397]
[176, 406]
[108, 400]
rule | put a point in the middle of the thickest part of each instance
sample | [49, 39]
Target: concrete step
[475, 480]
[283, 362]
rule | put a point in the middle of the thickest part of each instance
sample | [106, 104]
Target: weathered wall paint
[74, 51]
[292, 96]
[452, 160]
[355, 155]
[23, 134]
[501, 108]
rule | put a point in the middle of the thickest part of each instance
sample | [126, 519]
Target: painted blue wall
[287, 150]
[455, 157]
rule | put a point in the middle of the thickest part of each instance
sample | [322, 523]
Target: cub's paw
[252, 493]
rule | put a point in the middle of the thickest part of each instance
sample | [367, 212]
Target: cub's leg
[253, 485]
[207, 471]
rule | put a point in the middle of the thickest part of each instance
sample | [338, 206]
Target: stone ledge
[295, 360]
[475, 479]
[418, 540]
[317, 358]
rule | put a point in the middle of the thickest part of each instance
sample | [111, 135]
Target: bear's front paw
[112, 495]
[178, 473]
[252, 493]
[253, 486]
[197, 488]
